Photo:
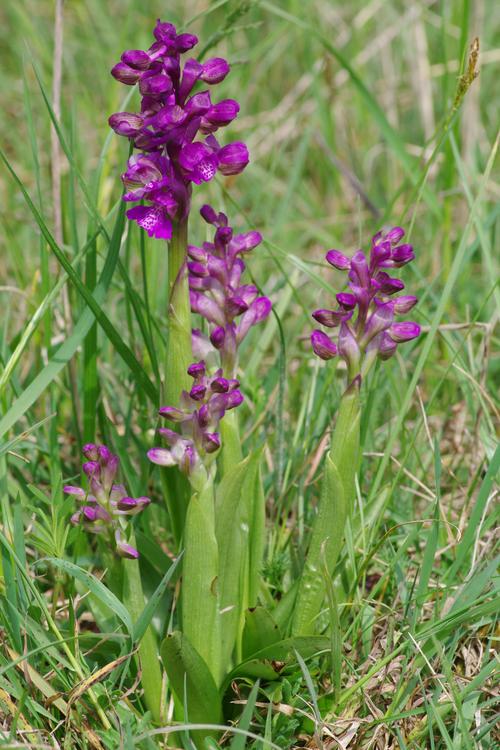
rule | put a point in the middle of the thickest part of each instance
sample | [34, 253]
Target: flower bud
[404, 331]
[126, 124]
[322, 345]
[197, 369]
[125, 74]
[402, 254]
[346, 300]
[329, 318]
[214, 70]
[136, 58]
[404, 304]
[217, 337]
[209, 214]
[338, 260]
[233, 158]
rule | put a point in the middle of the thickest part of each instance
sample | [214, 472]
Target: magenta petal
[153, 220]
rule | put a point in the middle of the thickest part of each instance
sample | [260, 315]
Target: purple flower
[105, 504]
[366, 314]
[198, 415]
[230, 307]
[172, 116]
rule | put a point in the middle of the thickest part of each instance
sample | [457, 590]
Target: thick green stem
[178, 358]
[151, 676]
[231, 453]
[200, 571]
[336, 500]
[179, 352]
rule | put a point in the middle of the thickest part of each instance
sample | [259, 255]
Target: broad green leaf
[259, 632]
[192, 682]
[257, 539]
[234, 515]
[270, 661]
[200, 580]
[230, 454]
[285, 608]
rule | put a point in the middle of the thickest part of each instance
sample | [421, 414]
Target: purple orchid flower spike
[105, 504]
[165, 129]
[217, 294]
[366, 315]
[200, 411]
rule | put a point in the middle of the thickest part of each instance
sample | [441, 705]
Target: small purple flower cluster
[166, 127]
[106, 505]
[198, 417]
[215, 271]
[374, 331]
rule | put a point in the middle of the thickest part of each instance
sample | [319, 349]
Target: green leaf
[234, 516]
[262, 663]
[200, 580]
[259, 632]
[337, 494]
[191, 682]
[96, 587]
[147, 613]
[257, 540]
[239, 740]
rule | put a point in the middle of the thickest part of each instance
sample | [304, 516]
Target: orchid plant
[227, 623]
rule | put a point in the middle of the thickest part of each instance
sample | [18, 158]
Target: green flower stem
[178, 358]
[179, 352]
[151, 675]
[200, 571]
[231, 453]
[336, 500]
